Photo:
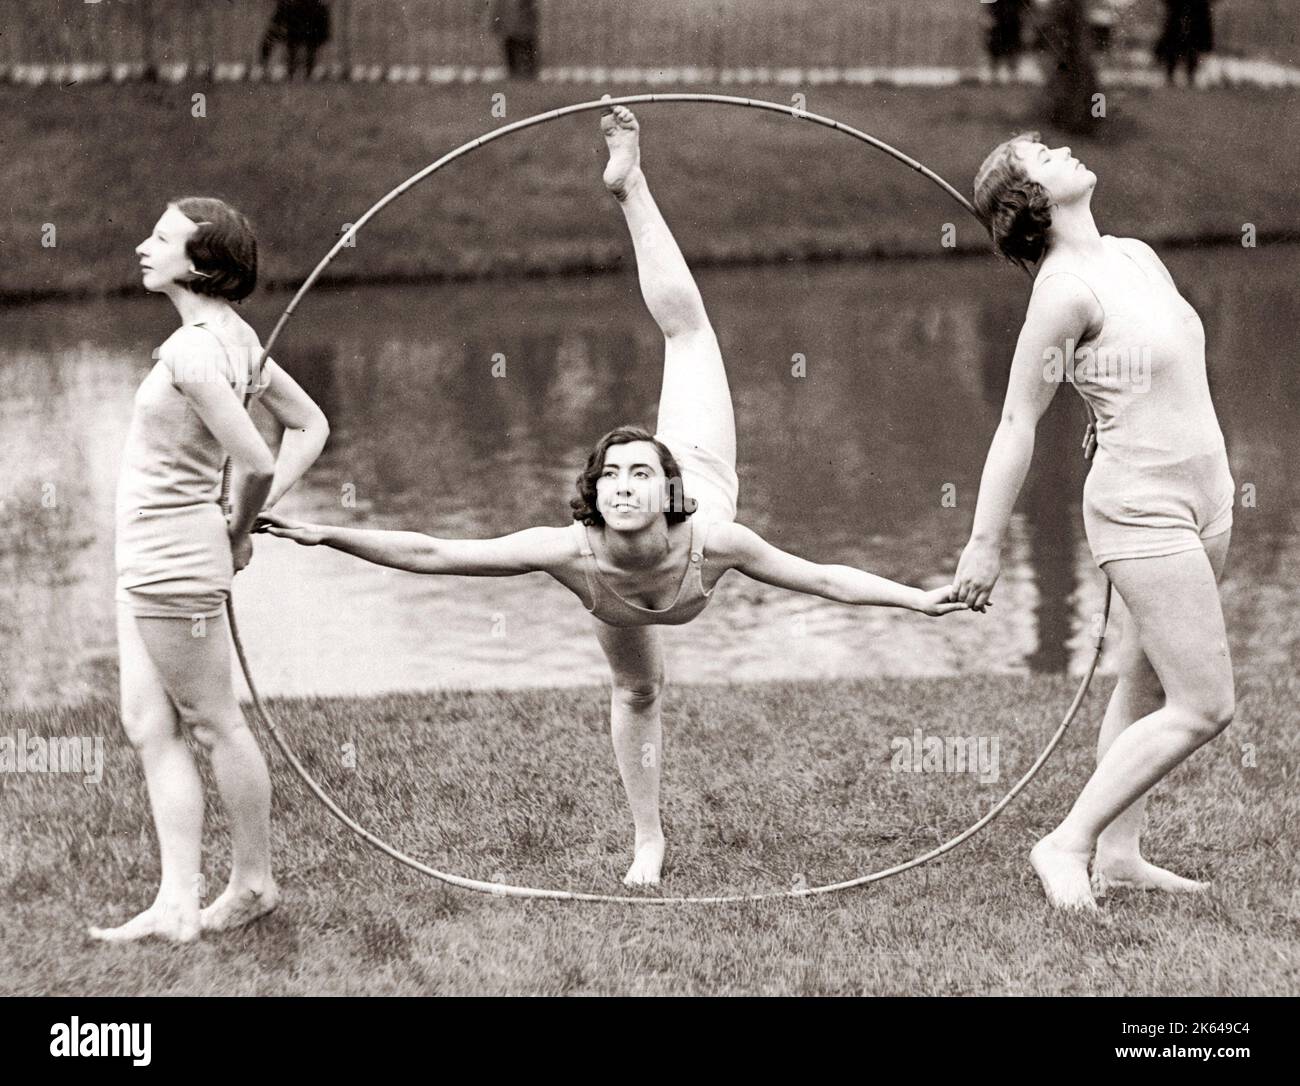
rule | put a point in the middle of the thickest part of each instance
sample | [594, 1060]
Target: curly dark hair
[223, 249]
[584, 505]
[1014, 210]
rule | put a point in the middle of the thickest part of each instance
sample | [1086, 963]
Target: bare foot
[176, 923]
[1135, 873]
[646, 863]
[622, 136]
[1064, 875]
[237, 906]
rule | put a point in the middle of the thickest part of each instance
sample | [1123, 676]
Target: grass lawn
[763, 784]
[98, 162]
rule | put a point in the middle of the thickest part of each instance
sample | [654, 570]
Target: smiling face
[630, 491]
[1065, 178]
[163, 260]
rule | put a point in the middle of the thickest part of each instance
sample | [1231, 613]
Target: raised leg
[195, 665]
[695, 400]
[1174, 602]
[152, 726]
[636, 727]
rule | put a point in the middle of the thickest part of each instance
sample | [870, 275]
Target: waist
[1140, 452]
[1210, 463]
[143, 517]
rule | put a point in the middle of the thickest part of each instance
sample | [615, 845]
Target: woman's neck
[1074, 231]
[195, 308]
[642, 549]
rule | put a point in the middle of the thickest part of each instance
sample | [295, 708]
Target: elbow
[1018, 426]
[828, 587]
[313, 429]
[427, 556]
[315, 432]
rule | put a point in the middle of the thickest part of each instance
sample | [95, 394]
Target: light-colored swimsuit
[612, 609]
[172, 549]
[1160, 481]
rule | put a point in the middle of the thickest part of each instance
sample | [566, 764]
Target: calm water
[906, 367]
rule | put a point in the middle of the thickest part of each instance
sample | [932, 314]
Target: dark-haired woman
[177, 552]
[1157, 506]
[654, 521]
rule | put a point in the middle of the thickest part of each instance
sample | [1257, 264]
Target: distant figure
[1005, 37]
[1188, 32]
[514, 22]
[302, 27]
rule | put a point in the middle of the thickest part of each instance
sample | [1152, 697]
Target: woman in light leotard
[177, 553]
[1105, 315]
[636, 554]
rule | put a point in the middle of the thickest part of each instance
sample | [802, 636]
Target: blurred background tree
[1071, 74]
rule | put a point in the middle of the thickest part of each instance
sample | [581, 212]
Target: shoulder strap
[254, 375]
[584, 544]
[220, 342]
[589, 571]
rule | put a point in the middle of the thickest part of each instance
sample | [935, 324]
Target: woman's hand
[309, 535]
[977, 573]
[939, 601]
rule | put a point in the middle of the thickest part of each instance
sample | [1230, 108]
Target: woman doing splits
[654, 517]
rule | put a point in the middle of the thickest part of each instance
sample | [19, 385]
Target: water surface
[872, 459]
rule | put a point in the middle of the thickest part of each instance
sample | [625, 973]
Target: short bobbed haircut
[1014, 210]
[584, 504]
[223, 249]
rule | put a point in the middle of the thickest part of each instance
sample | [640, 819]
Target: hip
[1202, 484]
[184, 537]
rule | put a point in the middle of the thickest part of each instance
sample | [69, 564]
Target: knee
[1150, 697]
[209, 724]
[683, 314]
[146, 730]
[640, 695]
[1213, 712]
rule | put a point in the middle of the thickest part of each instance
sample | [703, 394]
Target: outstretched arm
[529, 551]
[747, 551]
[1061, 312]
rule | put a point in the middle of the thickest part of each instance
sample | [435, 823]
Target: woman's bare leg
[1174, 602]
[1119, 861]
[197, 673]
[636, 727]
[695, 400]
[152, 725]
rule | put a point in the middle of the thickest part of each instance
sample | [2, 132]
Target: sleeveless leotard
[612, 609]
[172, 551]
[1160, 481]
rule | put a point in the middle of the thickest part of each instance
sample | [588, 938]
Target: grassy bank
[763, 784]
[98, 161]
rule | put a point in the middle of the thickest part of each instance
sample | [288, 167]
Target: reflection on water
[905, 370]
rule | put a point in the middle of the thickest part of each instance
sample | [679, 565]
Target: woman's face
[630, 491]
[1063, 176]
[163, 261]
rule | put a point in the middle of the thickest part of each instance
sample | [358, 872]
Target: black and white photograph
[691, 498]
